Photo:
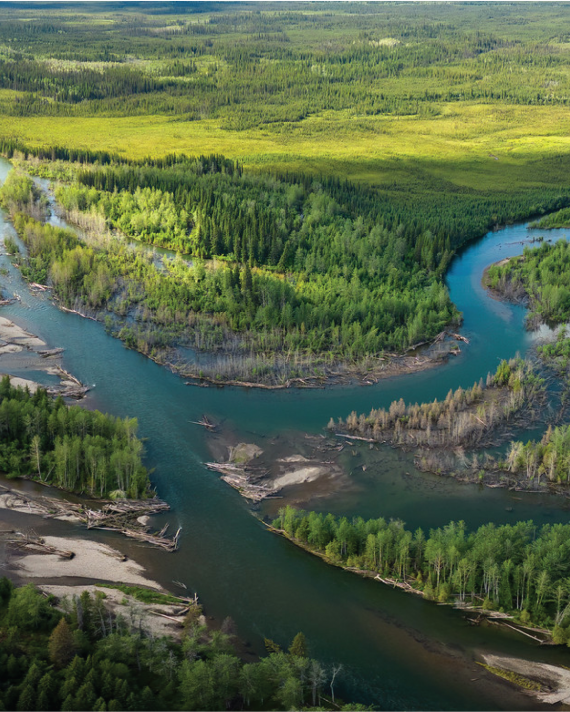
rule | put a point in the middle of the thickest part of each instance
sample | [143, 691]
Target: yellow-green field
[472, 145]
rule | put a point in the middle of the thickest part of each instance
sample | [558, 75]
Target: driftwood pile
[31, 543]
[244, 479]
[126, 516]
[70, 387]
[205, 422]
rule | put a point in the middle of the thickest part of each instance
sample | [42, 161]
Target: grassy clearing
[519, 680]
[144, 595]
[481, 147]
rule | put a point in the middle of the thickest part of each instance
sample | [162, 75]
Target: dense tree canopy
[68, 446]
[518, 568]
[89, 659]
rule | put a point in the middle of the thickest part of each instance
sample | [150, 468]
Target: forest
[68, 446]
[73, 655]
[193, 62]
[295, 271]
[519, 569]
[288, 274]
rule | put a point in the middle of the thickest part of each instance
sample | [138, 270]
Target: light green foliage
[69, 447]
[29, 610]
[542, 276]
[548, 457]
[520, 567]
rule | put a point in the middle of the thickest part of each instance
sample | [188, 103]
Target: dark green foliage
[126, 668]
[68, 446]
[520, 567]
[335, 270]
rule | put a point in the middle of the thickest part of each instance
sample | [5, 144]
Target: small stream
[397, 651]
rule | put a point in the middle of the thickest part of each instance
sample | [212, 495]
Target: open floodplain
[447, 132]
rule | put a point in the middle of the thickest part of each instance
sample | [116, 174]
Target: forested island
[468, 417]
[68, 446]
[517, 570]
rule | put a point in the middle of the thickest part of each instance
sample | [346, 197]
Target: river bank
[125, 516]
[66, 564]
[21, 351]
[409, 584]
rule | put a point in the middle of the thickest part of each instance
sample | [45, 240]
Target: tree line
[541, 276]
[253, 69]
[465, 417]
[521, 569]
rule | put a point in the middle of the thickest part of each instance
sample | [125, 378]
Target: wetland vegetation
[308, 275]
[467, 417]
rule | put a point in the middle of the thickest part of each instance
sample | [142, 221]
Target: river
[397, 651]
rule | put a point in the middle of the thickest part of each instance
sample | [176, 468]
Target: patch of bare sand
[16, 382]
[12, 500]
[244, 452]
[556, 678]
[21, 503]
[91, 560]
[300, 476]
[13, 334]
[10, 349]
[122, 604]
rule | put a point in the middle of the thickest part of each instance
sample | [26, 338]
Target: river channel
[397, 651]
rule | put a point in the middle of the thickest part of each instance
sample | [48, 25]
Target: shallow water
[397, 650]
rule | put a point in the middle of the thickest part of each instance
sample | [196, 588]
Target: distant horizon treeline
[249, 69]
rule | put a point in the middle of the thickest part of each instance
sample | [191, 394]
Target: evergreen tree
[61, 644]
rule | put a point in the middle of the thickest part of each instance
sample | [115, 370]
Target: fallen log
[50, 352]
[69, 376]
[205, 423]
[355, 437]
[170, 618]
[74, 311]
